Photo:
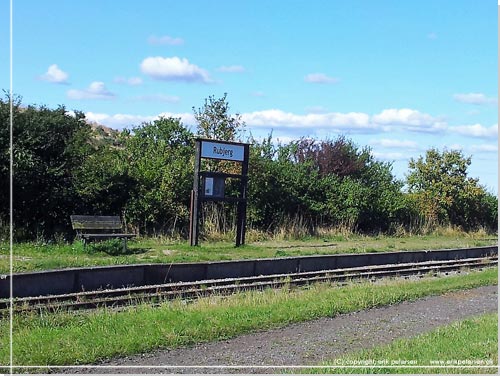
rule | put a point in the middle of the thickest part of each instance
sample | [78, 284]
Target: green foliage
[103, 179]
[215, 121]
[445, 194]
[159, 158]
[63, 166]
[279, 188]
[49, 146]
[300, 179]
[5, 156]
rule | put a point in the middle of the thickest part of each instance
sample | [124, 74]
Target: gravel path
[313, 341]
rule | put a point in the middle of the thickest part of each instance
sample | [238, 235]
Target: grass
[469, 343]
[87, 337]
[39, 256]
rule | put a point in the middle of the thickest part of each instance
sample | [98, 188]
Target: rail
[155, 294]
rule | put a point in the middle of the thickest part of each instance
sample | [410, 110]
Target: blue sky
[398, 76]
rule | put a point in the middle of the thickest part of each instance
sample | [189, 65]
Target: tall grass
[4, 230]
[298, 228]
[219, 224]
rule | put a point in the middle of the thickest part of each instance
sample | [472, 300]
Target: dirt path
[314, 341]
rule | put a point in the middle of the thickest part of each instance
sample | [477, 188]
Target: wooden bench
[91, 227]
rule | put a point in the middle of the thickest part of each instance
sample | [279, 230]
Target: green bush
[49, 146]
[446, 195]
[65, 166]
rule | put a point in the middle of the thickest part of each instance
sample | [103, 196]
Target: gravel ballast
[311, 342]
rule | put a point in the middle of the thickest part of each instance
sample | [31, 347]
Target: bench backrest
[96, 223]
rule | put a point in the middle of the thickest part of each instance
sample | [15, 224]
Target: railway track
[154, 294]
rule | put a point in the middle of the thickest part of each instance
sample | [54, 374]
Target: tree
[339, 157]
[48, 146]
[215, 121]
[445, 193]
[323, 183]
[103, 179]
[159, 156]
[280, 188]
[5, 160]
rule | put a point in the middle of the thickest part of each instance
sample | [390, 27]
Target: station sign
[219, 150]
[210, 186]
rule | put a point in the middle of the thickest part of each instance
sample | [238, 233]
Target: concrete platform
[70, 280]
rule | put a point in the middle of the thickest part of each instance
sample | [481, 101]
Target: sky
[400, 77]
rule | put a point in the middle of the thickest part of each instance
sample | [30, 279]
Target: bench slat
[95, 217]
[91, 222]
[108, 235]
[96, 226]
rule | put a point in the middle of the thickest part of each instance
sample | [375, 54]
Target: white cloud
[395, 144]
[476, 130]
[403, 116]
[453, 147]
[120, 121]
[320, 78]
[473, 112]
[132, 81]
[476, 148]
[166, 39]
[288, 125]
[412, 120]
[333, 120]
[117, 120]
[388, 120]
[474, 98]
[157, 98]
[55, 75]
[390, 156]
[96, 90]
[484, 148]
[174, 69]
[231, 69]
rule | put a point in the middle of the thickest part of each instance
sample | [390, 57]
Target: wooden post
[242, 205]
[195, 204]
[191, 217]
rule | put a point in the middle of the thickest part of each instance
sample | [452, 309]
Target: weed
[281, 253]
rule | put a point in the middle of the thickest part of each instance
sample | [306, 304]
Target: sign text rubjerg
[217, 150]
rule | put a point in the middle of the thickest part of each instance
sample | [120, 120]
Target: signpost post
[210, 186]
